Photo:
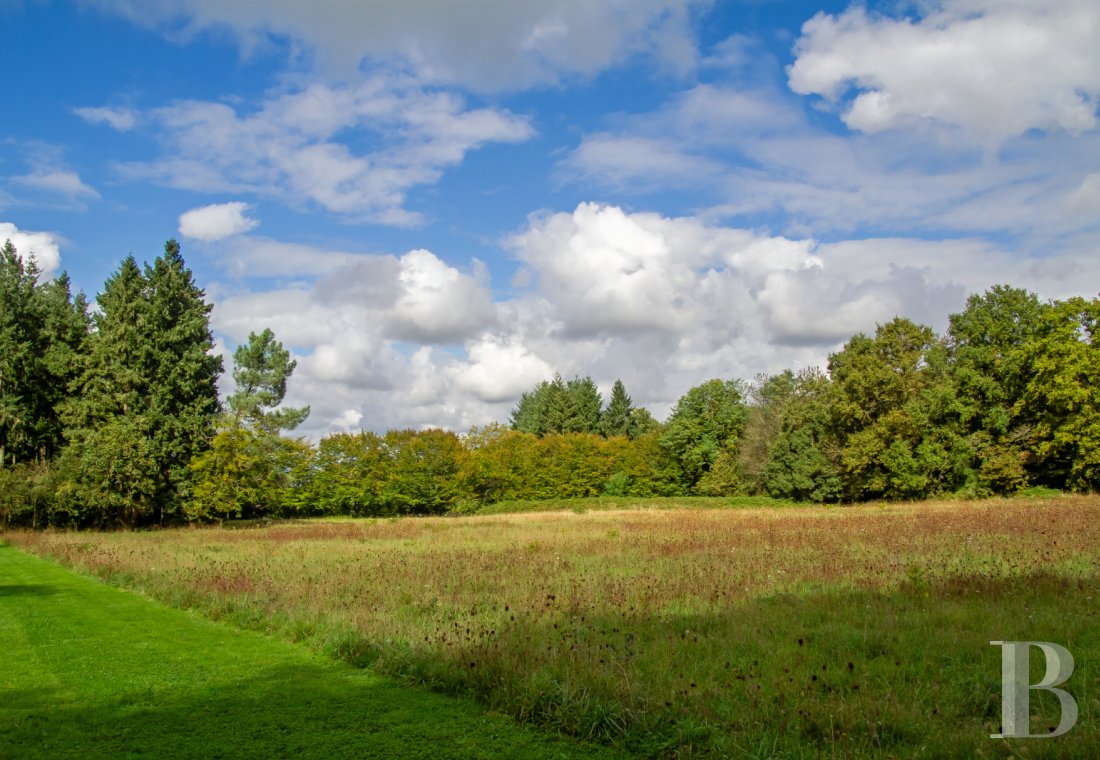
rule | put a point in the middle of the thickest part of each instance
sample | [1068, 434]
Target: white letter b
[1016, 689]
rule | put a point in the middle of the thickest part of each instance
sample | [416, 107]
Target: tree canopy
[114, 418]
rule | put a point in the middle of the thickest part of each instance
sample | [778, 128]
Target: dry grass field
[790, 632]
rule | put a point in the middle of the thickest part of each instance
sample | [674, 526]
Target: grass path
[88, 670]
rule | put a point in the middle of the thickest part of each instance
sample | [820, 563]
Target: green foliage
[540, 411]
[28, 494]
[990, 368]
[116, 466]
[504, 464]
[402, 472]
[43, 329]
[642, 422]
[247, 474]
[422, 472]
[557, 406]
[147, 392]
[616, 419]
[261, 369]
[798, 469]
[706, 420]
[1062, 396]
[894, 415]
[768, 401]
[250, 470]
[183, 392]
[18, 350]
[498, 464]
[348, 476]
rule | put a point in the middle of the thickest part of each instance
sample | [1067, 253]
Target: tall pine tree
[248, 470]
[43, 330]
[18, 328]
[148, 388]
[616, 418]
[557, 406]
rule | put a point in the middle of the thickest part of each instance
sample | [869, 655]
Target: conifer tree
[17, 355]
[183, 392]
[261, 369]
[541, 410]
[616, 418]
[64, 333]
[582, 406]
[43, 330]
[107, 424]
[248, 469]
[557, 406]
[149, 388]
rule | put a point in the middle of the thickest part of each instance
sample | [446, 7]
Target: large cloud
[354, 150]
[664, 303]
[481, 44]
[44, 246]
[996, 68]
[438, 304]
[364, 327]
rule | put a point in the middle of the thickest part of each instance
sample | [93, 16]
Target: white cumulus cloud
[220, 220]
[44, 246]
[439, 304]
[500, 368]
[995, 68]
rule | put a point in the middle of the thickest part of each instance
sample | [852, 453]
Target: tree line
[112, 417]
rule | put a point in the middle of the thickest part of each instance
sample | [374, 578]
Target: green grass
[92, 671]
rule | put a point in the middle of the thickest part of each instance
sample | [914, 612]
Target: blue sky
[437, 204]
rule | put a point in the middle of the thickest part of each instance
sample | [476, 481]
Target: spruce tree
[43, 330]
[64, 333]
[582, 403]
[183, 392]
[616, 418]
[17, 355]
[543, 409]
[148, 387]
[557, 406]
[106, 421]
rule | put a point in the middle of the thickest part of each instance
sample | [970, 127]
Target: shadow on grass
[304, 711]
[27, 589]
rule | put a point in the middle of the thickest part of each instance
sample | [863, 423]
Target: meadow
[746, 631]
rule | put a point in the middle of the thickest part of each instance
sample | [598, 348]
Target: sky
[437, 205]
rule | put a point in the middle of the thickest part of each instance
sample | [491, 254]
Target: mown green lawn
[88, 670]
